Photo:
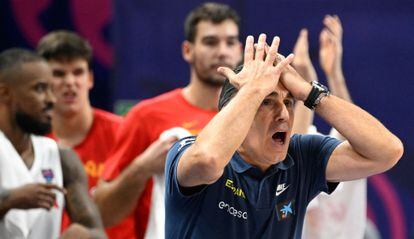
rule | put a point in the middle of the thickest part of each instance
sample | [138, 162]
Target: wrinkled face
[33, 98]
[72, 81]
[268, 139]
[214, 45]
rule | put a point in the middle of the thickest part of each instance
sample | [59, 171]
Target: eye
[232, 42]
[78, 71]
[57, 73]
[210, 41]
[41, 87]
[267, 102]
[289, 103]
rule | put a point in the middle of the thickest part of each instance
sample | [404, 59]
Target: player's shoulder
[45, 141]
[106, 116]
[179, 147]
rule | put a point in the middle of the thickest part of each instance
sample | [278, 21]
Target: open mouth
[279, 137]
[69, 96]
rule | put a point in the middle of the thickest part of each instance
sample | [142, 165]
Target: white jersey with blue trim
[46, 168]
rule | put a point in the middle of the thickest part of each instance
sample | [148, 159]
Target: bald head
[11, 62]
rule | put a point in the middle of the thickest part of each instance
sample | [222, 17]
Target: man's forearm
[117, 198]
[234, 120]
[224, 133]
[367, 135]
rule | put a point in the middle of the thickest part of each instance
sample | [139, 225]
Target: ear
[5, 94]
[187, 51]
[91, 79]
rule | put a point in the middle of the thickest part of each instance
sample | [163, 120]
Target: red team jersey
[93, 152]
[142, 126]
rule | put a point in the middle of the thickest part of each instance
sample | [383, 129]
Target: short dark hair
[64, 45]
[214, 12]
[13, 58]
[228, 91]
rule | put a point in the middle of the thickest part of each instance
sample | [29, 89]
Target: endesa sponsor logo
[232, 211]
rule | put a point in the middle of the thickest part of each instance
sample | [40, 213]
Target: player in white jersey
[37, 179]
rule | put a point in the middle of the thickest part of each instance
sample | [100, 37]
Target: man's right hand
[258, 70]
[34, 195]
[154, 156]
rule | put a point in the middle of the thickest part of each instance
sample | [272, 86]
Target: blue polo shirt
[246, 202]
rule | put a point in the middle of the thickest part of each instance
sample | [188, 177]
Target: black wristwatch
[315, 96]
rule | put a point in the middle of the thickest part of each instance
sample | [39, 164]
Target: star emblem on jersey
[285, 210]
[281, 188]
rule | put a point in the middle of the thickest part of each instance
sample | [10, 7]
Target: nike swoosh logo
[278, 192]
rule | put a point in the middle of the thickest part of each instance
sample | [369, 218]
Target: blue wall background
[138, 55]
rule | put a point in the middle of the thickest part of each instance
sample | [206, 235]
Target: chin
[277, 157]
[67, 110]
[215, 80]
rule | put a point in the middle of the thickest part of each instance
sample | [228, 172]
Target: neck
[202, 95]
[18, 138]
[250, 159]
[72, 130]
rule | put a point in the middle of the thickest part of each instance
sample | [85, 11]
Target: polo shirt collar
[240, 166]
[287, 163]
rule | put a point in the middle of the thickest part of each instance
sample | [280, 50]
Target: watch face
[320, 86]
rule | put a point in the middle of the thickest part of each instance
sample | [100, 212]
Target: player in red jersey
[75, 123]
[212, 40]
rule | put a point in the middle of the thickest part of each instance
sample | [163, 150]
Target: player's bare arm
[115, 199]
[28, 196]
[82, 211]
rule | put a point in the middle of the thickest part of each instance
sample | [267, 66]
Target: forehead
[281, 92]
[34, 72]
[69, 64]
[224, 29]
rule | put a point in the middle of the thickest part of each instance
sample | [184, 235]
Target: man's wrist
[334, 73]
[317, 93]
[336, 76]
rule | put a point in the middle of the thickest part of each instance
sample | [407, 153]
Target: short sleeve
[315, 152]
[173, 188]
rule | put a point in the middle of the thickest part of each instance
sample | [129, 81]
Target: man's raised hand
[259, 69]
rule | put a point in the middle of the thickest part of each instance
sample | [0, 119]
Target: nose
[281, 112]
[223, 49]
[69, 79]
[50, 97]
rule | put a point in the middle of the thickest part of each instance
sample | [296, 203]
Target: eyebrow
[231, 37]
[289, 95]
